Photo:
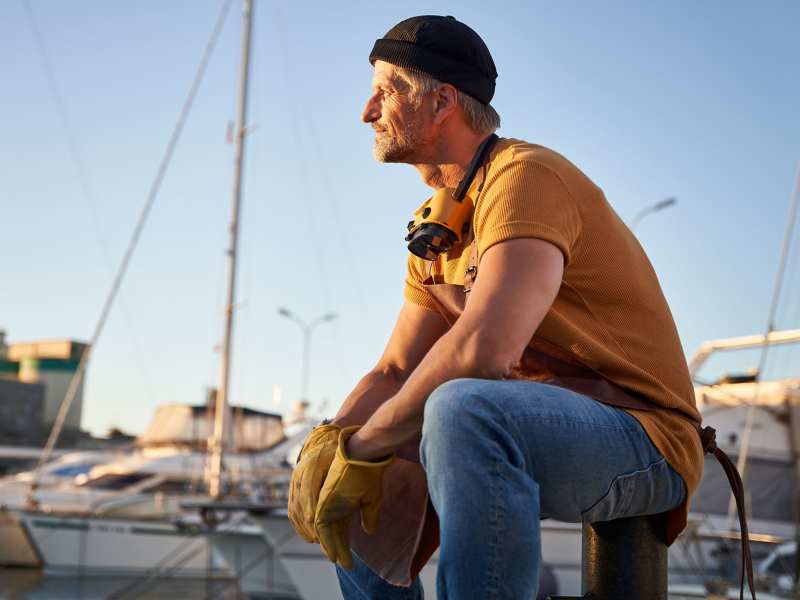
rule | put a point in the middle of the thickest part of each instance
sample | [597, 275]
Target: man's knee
[452, 404]
[455, 413]
[443, 403]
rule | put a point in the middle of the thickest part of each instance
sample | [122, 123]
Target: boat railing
[749, 341]
[155, 505]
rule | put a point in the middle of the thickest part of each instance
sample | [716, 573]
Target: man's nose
[372, 111]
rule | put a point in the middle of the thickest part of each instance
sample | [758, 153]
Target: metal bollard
[624, 559]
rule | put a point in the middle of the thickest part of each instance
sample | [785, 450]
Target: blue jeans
[500, 456]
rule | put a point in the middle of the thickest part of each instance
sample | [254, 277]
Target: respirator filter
[441, 223]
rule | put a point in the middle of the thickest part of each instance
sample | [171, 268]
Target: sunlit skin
[443, 144]
[519, 280]
[397, 125]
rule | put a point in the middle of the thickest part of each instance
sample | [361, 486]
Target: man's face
[400, 131]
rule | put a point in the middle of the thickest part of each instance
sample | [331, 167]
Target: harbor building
[44, 370]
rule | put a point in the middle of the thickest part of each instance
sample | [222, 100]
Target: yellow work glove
[349, 483]
[308, 476]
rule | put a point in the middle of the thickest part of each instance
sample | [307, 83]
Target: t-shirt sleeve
[415, 291]
[526, 199]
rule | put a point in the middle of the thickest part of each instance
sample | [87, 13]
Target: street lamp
[650, 209]
[307, 329]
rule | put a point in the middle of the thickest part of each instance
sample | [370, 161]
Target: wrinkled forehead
[385, 77]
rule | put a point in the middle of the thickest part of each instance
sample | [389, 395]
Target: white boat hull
[310, 570]
[257, 570]
[315, 578]
[97, 545]
[300, 570]
[303, 572]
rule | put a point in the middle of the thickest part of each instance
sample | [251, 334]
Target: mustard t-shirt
[610, 311]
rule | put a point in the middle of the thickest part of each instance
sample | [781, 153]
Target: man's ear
[445, 101]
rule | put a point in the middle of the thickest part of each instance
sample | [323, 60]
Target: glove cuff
[316, 435]
[344, 435]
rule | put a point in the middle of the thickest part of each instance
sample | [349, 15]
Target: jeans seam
[626, 497]
[637, 427]
[497, 526]
[655, 480]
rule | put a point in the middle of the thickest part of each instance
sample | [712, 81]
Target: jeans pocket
[632, 494]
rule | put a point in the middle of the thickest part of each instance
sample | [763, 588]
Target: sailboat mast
[221, 408]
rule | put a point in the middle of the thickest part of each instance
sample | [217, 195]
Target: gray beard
[399, 147]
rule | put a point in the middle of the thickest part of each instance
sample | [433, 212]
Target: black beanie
[442, 48]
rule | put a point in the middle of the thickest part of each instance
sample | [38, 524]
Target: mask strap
[477, 163]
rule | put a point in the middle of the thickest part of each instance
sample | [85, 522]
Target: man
[565, 310]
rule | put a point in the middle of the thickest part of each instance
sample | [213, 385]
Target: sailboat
[125, 513]
[92, 504]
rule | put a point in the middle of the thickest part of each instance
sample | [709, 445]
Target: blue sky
[693, 100]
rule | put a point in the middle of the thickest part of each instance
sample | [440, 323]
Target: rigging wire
[326, 181]
[87, 194]
[790, 317]
[741, 463]
[306, 192]
[173, 141]
[263, 556]
[67, 131]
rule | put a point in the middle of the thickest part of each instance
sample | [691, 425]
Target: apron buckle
[469, 277]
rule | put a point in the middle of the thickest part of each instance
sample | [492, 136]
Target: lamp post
[650, 209]
[307, 329]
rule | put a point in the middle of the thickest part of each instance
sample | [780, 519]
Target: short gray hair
[481, 118]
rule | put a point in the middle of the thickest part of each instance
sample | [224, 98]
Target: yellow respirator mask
[445, 219]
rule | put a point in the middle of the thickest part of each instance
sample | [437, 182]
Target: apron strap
[472, 269]
[430, 277]
[708, 440]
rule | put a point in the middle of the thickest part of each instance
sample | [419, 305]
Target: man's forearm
[375, 388]
[398, 420]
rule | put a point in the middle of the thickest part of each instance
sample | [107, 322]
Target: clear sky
[696, 100]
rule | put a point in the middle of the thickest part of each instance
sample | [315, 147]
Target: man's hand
[349, 483]
[308, 477]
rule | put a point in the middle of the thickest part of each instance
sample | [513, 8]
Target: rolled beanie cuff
[427, 62]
